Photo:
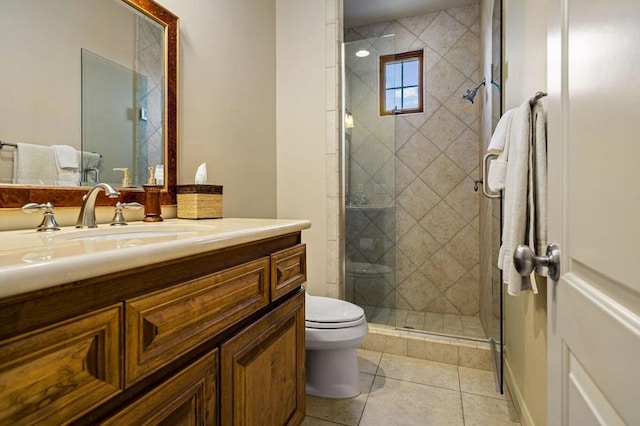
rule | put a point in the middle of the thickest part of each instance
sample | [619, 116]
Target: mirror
[50, 110]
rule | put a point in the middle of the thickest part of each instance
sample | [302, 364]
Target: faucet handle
[118, 217]
[48, 221]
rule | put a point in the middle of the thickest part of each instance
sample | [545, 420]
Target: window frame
[401, 57]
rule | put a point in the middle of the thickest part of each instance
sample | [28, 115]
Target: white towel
[515, 198]
[66, 156]
[497, 174]
[537, 199]
[499, 137]
[34, 165]
[68, 172]
[90, 162]
[525, 203]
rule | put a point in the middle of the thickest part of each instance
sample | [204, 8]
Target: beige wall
[301, 129]
[227, 100]
[526, 316]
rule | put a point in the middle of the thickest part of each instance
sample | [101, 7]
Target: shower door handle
[485, 176]
[525, 261]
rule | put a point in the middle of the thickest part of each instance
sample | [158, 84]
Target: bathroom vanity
[180, 322]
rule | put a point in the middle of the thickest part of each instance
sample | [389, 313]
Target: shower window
[401, 83]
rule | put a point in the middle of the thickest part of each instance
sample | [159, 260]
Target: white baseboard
[516, 397]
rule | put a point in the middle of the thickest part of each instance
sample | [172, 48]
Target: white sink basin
[135, 232]
[127, 235]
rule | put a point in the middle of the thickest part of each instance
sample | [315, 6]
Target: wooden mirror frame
[12, 196]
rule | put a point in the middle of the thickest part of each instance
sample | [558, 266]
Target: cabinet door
[162, 326]
[288, 270]
[55, 374]
[262, 378]
[188, 398]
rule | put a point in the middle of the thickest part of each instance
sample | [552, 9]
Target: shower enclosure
[412, 217]
[414, 259]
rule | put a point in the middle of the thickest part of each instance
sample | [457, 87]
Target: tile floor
[399, 390]
[457, 325]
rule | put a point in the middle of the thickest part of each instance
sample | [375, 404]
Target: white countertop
[31, 260]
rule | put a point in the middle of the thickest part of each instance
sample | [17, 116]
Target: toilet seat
[348, 324]
[327, 313]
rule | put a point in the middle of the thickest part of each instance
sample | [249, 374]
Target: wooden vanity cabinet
[168, 323]
[288, 270]
[55, 374]
[188, 398]
[216, 338]
[263, 372]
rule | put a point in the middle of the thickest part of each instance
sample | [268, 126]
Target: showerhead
[471, 93]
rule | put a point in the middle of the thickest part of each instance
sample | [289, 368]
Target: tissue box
[199, 201]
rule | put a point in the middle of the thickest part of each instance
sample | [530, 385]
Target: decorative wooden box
[199, 201]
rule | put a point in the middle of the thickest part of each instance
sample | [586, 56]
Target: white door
[594, 211]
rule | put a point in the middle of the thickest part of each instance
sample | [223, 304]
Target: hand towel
[516, 198]
[68, 172]
[499, 137]
[66, 156]
[34, 165]
[497, 174]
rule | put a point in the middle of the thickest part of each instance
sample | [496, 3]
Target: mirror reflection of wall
[122, 111]
[40, 79]
[109, 116]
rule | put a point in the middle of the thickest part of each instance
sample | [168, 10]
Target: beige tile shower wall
[149, 62]
[436, 161]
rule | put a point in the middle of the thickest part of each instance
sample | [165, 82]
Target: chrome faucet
[87, 216]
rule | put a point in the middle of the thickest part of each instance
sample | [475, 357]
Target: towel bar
[2, 144]
[485, 176]
[537, 97]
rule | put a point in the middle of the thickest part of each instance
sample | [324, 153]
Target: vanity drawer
[162, 326]
[288, 270]
[187, 398]
[56, 374]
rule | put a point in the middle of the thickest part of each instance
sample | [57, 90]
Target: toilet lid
[325, 310]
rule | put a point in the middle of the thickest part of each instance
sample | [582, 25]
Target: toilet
[334, 330]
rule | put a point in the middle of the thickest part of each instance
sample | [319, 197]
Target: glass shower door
[369, 174]
[496, 327]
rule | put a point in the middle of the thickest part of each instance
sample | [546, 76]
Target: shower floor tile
[432, 322]
[399, 390]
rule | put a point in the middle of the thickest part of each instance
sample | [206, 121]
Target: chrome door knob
[525, 261]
